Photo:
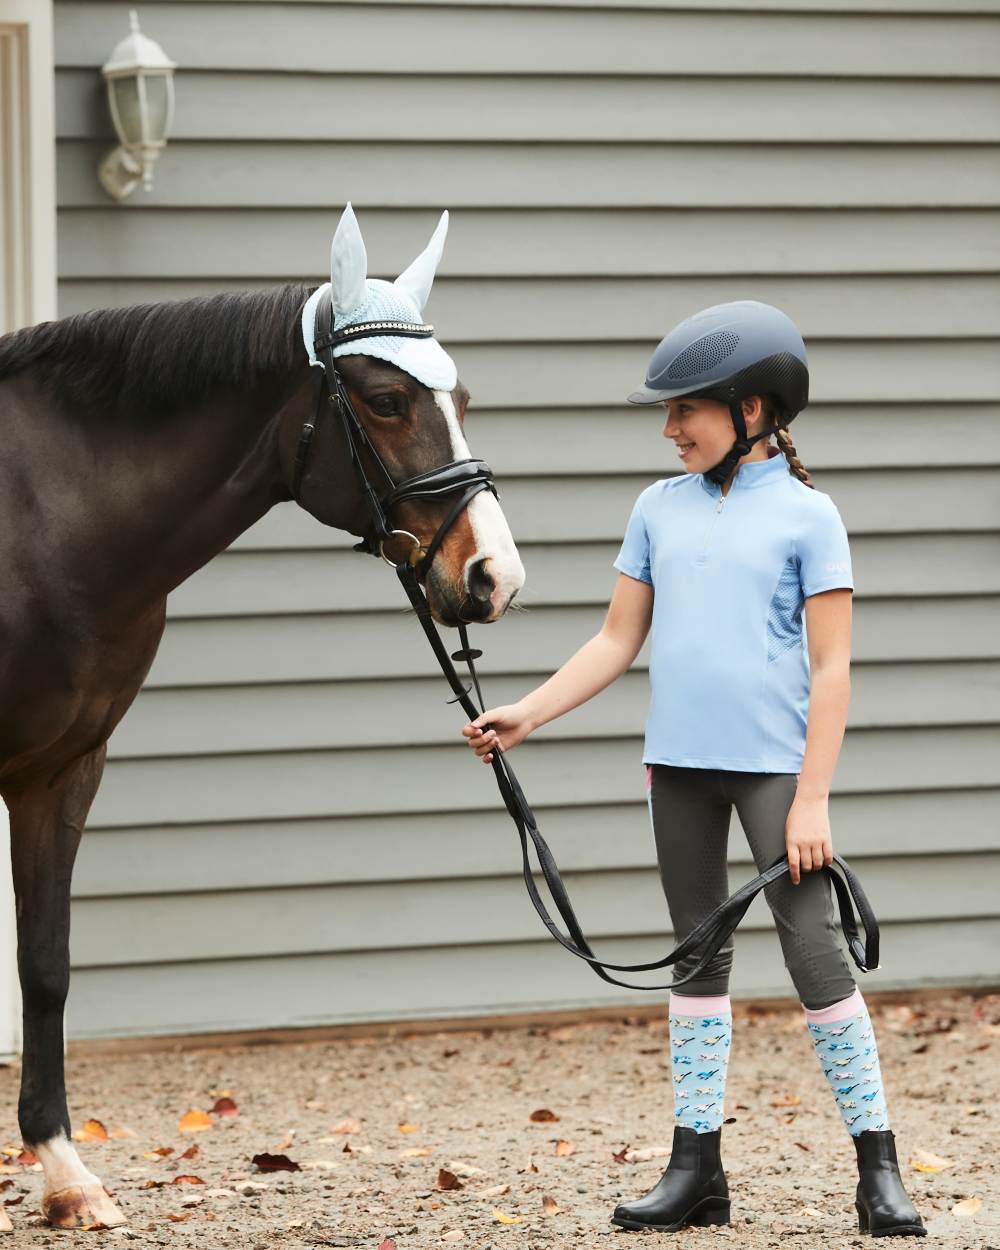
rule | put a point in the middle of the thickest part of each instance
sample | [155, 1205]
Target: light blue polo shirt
[729, 664]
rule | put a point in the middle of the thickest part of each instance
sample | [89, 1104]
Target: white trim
[27, 164]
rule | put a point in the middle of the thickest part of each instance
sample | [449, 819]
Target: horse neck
[158, 497]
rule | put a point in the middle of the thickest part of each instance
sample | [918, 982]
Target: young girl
[722, 562]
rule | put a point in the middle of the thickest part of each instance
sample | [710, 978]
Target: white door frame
[27, 295]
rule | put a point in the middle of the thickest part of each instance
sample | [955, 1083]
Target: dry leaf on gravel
[649, 1152]
[192, 1152]
[564, 1148]
[346, 1126]
[408, 1128]
[186, 1179]
[461, 1168]
[274, 1163]
[503, 1218]
[967, 1207]
[225, 1107]
[447, 1180]
[93, 1130]
[543, 1116]
[786, 1100]
[194, 1122]
[925, 1161]
[160, 1152]
[550, 1206]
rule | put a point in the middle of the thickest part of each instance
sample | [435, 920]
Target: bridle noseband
[465, 476]
[469, 477]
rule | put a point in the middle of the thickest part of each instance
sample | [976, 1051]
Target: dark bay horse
[137, 444]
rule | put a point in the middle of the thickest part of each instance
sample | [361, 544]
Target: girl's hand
[499, 727]
[807, 837]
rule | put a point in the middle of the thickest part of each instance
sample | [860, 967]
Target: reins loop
[469, 477]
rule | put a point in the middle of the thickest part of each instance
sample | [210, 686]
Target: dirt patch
[429, 1140]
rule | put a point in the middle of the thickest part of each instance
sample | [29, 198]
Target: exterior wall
[292, 830]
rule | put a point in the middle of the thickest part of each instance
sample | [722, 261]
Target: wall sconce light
[140, 82]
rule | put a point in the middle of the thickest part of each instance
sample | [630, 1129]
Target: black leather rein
[469, 477]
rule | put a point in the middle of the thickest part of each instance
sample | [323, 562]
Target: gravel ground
[377, 1123]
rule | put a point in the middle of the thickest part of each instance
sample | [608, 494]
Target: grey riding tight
[690, 810]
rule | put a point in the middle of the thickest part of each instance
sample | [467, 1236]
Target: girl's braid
[784, 441]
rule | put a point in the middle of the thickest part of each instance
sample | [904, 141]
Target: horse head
[390, 416]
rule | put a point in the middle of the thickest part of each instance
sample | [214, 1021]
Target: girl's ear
[348, 265]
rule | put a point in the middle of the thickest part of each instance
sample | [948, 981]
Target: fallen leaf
[274, 1163]
[177, 1219]
[550, 1206]
[93, 1130]
[160, 1152]
[495, 1191]
[185, 1179]
[192, 1152]
[543, 1116]
[650, 1152]
[320, 1165]
[530, 1166]
[802, 1146]
[464, 1169]
[347, 1126]
[502, 1217]
[564, 1147]
[122, 1133]
[925, 1161]
[414, 1152]
[453, 1234]
[447, 1180]
[225, 1107]
[408, 1128]
[151, 1184]
[786, 1100]
[387, 1244]
[194, 1122]
[967, 1207]
[619, 1156]
[288, 1141]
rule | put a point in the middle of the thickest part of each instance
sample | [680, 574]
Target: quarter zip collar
[752, 473]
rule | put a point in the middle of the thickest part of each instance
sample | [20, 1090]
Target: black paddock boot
[693, 1189]
[883, 1206]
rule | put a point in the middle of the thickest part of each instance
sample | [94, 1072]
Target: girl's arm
[828, 629]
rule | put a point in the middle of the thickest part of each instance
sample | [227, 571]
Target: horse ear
[348, 265]
[419, 277]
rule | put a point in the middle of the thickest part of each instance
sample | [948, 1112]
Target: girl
[722, 562]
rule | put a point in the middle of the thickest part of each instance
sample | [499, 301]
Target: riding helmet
[729, 352]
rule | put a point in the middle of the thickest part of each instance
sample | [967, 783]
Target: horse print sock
[701, 1033]
[845, 1046]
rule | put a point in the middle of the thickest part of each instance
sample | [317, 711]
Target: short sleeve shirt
[729, 663]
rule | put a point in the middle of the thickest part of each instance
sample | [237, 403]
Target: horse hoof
[81, 1206]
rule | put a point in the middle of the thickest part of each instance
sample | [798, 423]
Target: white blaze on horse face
[493, 539]
[63, 1167]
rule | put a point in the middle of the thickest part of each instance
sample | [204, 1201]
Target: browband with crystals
[375, 329]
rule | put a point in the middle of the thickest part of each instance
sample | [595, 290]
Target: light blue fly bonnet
[356, 298]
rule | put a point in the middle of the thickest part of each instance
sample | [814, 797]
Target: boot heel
[862, 1218]
[716, 1213]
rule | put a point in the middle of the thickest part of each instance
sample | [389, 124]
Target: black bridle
[469, 477]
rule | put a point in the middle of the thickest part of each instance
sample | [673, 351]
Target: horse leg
[46, 820]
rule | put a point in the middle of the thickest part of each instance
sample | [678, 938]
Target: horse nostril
[481, 584]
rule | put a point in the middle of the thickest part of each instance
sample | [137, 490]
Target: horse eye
[386, 405]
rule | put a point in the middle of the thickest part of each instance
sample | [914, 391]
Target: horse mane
[157, 358]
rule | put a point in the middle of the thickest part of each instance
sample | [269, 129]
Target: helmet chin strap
[720, 472]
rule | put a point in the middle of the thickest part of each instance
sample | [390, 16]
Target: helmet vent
[705, 353]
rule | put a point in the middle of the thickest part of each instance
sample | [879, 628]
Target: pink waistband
[837, 1011]
[698, 1005]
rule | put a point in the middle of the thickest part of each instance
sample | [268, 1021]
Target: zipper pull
[722, 500]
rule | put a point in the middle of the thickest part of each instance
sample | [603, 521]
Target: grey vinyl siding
[291, 830]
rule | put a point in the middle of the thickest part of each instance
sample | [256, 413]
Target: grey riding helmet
[729, 352]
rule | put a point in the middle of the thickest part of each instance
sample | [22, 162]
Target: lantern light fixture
[139, 77]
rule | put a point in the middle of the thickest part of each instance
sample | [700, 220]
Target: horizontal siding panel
[350, 714]
[209, 247]
[311, 919]
[468, 980]
[317, 783]
[242, 651]
[566, 109]
[265, 583]
[588, 509]
[482, 40]
[551, 175]
[483, 310]
[441, 845]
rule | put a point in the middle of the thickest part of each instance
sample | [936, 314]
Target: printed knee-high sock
[701, 1033]
[845, 1046]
